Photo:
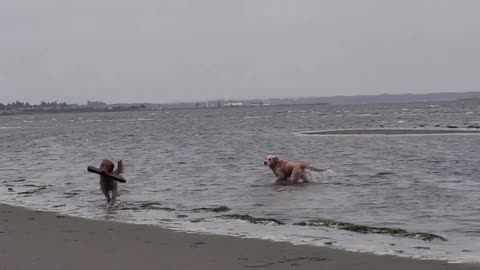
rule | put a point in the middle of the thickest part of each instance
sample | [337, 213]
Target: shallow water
[180, 160]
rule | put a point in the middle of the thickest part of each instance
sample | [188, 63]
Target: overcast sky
[178, 50]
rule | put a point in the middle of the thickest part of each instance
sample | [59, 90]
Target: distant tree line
[17, 105]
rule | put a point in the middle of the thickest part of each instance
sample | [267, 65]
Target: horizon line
[249, 99]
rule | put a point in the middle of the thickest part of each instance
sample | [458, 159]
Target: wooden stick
[110, 175]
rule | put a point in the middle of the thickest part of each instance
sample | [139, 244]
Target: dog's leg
[296, 174]
[107, 195]
[104, 188]
[305, 177]
[115, 189]
[114, 192]
[280, 179]
[118, 171]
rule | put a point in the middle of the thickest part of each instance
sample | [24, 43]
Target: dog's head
[107, 166]
[271, 161]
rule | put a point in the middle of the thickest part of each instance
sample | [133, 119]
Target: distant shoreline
[18, 108]
[91, 110]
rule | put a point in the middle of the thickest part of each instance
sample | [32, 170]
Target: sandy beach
[42, 240]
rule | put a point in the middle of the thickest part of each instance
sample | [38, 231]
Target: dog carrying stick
[110, 175]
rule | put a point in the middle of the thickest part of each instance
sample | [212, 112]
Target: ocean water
[182, 165]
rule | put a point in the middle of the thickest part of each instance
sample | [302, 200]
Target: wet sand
[43, 240]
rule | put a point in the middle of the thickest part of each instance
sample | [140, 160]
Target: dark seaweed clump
[367, 229]
[253, 220]
[155, 206]
[197, 220]
[218, 209]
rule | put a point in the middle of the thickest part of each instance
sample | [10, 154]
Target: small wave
[70, 194]
[290, 261]
[380, 174]
[29, 192]
[390, 131]
[31, 185]
[310, 116]
[411, 114]
[257, 117]
[136, 206]
[364, 115]
[15, 181]
[261, 185]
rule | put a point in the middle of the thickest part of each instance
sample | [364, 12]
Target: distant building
[233, 104]
[256, 103]
[97, 104]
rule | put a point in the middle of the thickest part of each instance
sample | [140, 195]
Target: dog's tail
[314, 169]
[119, 169]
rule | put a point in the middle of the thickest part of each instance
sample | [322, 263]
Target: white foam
[145, 119]
[328, 174]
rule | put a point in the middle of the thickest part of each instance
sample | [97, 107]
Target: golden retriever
[107, 184]
[288, 172]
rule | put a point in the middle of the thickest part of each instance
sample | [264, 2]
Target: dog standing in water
[107, 184]
[288, 172]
